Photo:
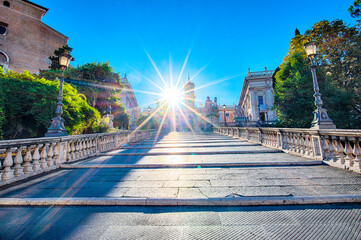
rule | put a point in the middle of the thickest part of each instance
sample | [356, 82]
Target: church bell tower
[189, 96]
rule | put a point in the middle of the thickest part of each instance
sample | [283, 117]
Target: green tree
[151, 124]
[297, 32]
[27, 105]
[293, 93]
[338, 75]
[355, 9]
[101, 86]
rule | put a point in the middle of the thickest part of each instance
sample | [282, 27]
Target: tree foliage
[339, 76]
[101, 87]
[152, 123]
[355, 9]
[57, 53]
[27, 105]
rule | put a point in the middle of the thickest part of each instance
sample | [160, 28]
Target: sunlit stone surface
[160, 173]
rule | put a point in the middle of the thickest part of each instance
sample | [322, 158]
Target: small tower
[189, 96]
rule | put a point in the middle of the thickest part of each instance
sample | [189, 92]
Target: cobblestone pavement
[160, 171]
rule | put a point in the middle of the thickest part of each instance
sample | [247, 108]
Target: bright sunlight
[172, 96]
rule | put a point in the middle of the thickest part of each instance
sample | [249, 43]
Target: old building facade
[25, 41]
[255, 105]
[227, 115]
[129, 100]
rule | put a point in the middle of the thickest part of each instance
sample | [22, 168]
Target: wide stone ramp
[189, 169]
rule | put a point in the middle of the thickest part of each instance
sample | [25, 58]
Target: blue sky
[226, 36]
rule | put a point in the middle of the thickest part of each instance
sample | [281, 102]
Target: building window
[3, 28]
[260, 100]
[4, 60]
[227, 114]
[6, 4]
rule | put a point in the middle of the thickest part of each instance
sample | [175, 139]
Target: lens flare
[173, 96]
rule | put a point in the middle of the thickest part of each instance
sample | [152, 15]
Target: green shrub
[27, 105]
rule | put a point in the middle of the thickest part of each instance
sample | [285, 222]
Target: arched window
[4, 60]
[6, 4]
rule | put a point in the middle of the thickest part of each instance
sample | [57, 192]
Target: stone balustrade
[20, 159]
[336, 147]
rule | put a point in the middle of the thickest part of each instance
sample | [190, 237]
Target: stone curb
[237, 201]
[189, 153]
[192, 165]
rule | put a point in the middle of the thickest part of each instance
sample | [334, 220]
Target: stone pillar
[253, 105]
[269, 103]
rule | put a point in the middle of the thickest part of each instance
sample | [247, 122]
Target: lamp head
[311, 49]
[64, 60]
[224, 106]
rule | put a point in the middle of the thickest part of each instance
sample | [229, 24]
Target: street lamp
[57, 128]
[321, 119]
[149, 110]
[224, 115]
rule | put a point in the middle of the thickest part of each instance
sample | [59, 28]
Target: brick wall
[28, 42]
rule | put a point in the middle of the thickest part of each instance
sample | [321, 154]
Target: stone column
[253, 104]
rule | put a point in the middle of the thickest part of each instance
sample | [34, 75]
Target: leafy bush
[27, 105]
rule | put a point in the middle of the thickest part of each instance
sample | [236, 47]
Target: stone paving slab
[194, 142]
[202, 186]
[170, 146]
[270, 222]
[212, 150]
[175, 183]
[189, 159]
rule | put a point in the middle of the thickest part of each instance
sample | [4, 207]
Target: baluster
[307, 149]
[69, 152]
[348, 152]
[302, 145]
[56, 156]
[85, 150]
[295, 141]
[310, 146]
[94, 144]
[80, 143]
[8, 162]
[77, 150]
[339, 152]
[44, 156]
[287, 141]
[18, 169]
[333, 151]
[36, 157]
[325, 148]
[27, 160]
[88, 147]
[357, 153]
[50, 159]
[73, 151]
[292, 144]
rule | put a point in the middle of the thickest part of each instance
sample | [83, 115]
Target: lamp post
[321, 119]
[57, 128]
[224, 115]
[149, 110]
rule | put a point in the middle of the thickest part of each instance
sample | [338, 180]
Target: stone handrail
[339, 148]
[20, 159]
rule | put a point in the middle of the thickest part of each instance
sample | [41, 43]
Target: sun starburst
[172, 107]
